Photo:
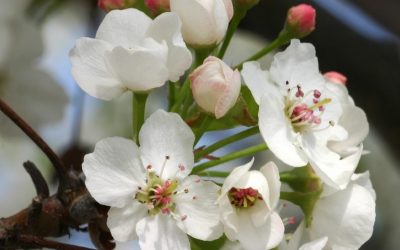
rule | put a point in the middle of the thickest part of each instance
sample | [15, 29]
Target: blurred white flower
[29, 90]
[247, 203]
[130, 52]
[299, 240]
[204, 21]
[148, 188]
[215, 86]
[299, 113]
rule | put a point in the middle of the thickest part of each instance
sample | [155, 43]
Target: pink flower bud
[157, 6]
[336, 77]
[300, 20]
[215, 86]
[109, 5]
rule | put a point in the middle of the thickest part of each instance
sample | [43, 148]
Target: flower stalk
[230, 157]
[138, 111]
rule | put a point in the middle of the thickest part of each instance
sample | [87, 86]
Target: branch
[42, 189]
[35, 241]
[54, 159]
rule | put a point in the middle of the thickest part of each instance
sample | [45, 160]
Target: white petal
[113, 171]
[234, 177]
[124, 28]
[271, 173]
[90, 70]
[122, 221]
[229, 218]
[278, 133]
[355, 122]
[160, 232]
[140, 68]
[364, 181]
[328, 165]
[317, 244]
[267, 236]
[199, 207]
[346, 218]
[257, 80]
[167, 27]
[167, 135]
[298, 65]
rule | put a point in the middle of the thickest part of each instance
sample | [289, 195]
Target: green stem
[279, 41]
[231, 139]
[181, 95]
[214, 174]
[205, 123]
[186, 105]
[237, 17]
[171, 94]
[229, 157]
[138, 109]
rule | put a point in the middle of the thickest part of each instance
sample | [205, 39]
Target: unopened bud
[300, 21]
[109, 5]
[215, 86]
[336, 77]
[157, 6]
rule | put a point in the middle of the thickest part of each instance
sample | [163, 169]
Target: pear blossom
[204, 21]
[342, 219]
[215, 86]
[300, 113]
[247, 203]
[148, 188]
[130, 52]
[347, 216]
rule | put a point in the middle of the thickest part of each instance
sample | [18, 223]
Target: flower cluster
[157, 185]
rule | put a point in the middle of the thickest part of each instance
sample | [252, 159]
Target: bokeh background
[360, 38]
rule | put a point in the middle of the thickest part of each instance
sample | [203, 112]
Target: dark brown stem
[34, 241]
[54, 159]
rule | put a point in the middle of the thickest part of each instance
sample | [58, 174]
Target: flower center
[243, 197]
[305, 115]
[158, 194]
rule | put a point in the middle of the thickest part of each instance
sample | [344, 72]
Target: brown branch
[34, 241]
[42, 189]
[54, 159]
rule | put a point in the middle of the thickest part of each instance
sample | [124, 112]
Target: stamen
[163, 166]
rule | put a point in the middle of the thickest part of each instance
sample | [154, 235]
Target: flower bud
[336, 77]
[300, 20]
[204, 21]
[157, 6]
[215, 86]
[109, 5]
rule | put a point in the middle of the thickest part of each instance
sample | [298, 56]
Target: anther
[186, 190]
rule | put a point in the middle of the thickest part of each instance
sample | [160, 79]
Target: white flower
[342, 220]
[148, 187]
[247, 203]
[215, 86]
[299, 114]
[347, 216]
[29, 90]
[204, 21]
[130, 52]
